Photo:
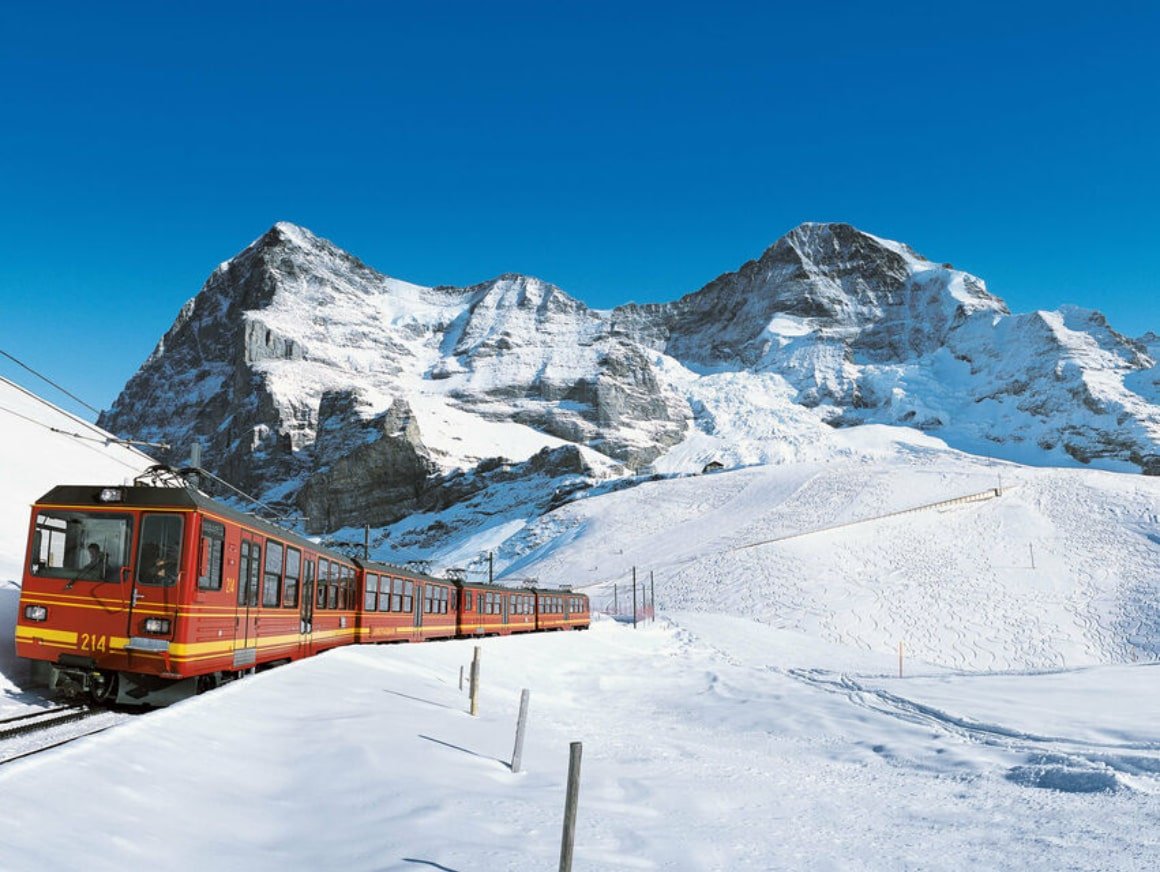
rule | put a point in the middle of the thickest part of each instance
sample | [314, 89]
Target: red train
[148, 594]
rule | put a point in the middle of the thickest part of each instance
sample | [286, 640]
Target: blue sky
[621, 151]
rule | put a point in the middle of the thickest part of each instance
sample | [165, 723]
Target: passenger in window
[96, 565]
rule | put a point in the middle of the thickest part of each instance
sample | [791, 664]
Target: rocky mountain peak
[838, 249]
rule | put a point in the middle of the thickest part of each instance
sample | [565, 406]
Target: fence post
[634, 597]
[652, 596]
[521, 724]
[571, 800]
[475, 683]
[461, 679]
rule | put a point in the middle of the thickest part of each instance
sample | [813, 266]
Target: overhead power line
[45, 378]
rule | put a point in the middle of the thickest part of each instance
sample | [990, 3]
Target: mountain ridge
[294, 338]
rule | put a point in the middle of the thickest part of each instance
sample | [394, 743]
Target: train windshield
[81, 545]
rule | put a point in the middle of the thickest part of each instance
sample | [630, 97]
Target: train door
[246, 622]
[420, 592]
[159, 561]
[306, 614]
[506, 600]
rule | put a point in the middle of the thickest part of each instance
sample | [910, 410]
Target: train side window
[160, 551]
[243, 571]
[293, 573]
[213, 541]
[443, 600]
[349, 590]
[249, 573]
[272, 576]
[468, 601]
[323, 580]
[253, 578]
[408, 596]
[308, 589]
[332, 587]
[371, 593]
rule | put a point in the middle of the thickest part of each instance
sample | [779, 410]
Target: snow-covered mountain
[304, 372]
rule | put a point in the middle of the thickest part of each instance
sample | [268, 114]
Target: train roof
[153, 497]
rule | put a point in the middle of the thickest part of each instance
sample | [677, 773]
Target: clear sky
[623, 151]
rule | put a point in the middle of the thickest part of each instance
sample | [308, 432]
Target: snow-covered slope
[43, 446]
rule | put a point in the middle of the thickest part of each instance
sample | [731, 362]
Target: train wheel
[206, 683]
[103, 687]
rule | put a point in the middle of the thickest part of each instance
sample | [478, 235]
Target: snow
[760, 723]
[65, 448]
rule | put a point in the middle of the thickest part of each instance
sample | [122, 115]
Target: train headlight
[36, 613]
[111, 495]
[157, 625]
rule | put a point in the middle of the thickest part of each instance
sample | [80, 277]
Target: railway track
[37, 730]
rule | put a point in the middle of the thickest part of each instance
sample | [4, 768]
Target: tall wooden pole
[521, 725]
[475, 683]
[571, 800]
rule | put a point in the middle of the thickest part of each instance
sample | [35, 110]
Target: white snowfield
[759, 724]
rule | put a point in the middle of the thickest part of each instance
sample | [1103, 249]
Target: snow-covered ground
[760, 723]
[709, 743]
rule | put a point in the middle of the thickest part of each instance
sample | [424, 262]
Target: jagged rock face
[841, 288]
[374, 468]
[309, 377]
[284, 363]
[525, 351]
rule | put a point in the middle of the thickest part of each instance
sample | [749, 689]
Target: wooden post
[900, 660]
[634, 597]
[652, 596]
[491, 567]
[571, 800]
[475, 683]
[615, 603]
[367, 542]
[461, 679]
[521, 725]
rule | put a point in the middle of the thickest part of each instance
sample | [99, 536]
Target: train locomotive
[144, 594]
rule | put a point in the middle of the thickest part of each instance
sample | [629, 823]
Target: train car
[146, 593]
[403, 606]
[491, 610]
[561, 609]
